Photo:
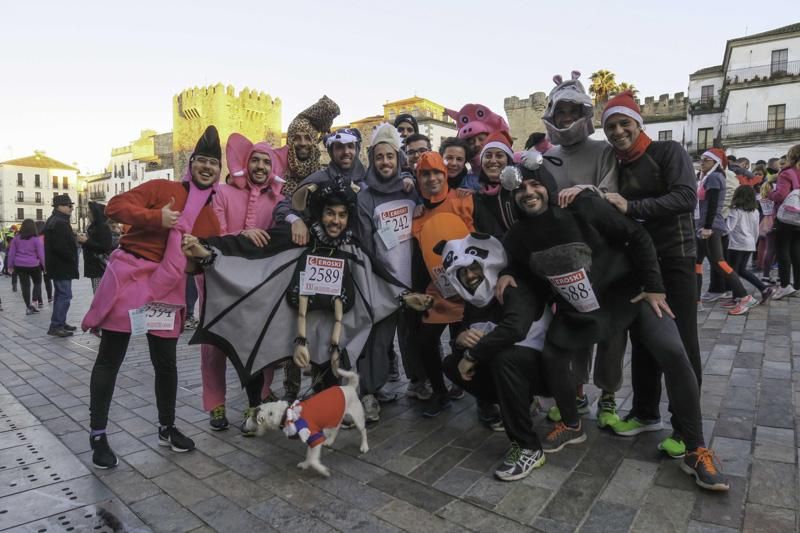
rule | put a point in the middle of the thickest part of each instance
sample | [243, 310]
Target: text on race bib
[576, 289]
[767, 207]
[322, 275]
[153, 317]
[442, 283]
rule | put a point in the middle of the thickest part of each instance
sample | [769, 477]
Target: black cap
[405, 117]
[62, 199]
[208, 145]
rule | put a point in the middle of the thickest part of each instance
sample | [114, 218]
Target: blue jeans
[61, 299]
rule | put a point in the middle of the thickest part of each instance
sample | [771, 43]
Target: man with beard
[385, 210]
[603, 270]
[146, 276]
[243, 208]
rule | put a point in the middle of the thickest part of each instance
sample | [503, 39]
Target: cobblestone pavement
[419, 475]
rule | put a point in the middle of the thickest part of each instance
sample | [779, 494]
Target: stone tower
[254, 114]
[525, 116]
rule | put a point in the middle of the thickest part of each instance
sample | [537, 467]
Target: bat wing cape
[245, 312]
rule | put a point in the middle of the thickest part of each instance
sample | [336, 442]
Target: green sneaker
[583, 408]
[673, 446]
[630, 426]
[607, 411]
[218, 421]
[247, 432]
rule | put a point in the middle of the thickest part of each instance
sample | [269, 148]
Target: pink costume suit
[239, 206]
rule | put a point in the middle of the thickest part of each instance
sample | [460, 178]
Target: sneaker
[766, 295]
[673, 446]
[562, 435]
[630, 426]
[191, 323]
[489, 415]
[170, 436]
[709, 297]
[372, 409]
[243, 427]
[28, 311]
[729, 304]
[69, 328]
[456, 393]
[436, 405]
[40, 304]
[554, 414]
[102, 456]
[744, 305]
[519, 462]
[700, 307]
[59, 332]
[705, 467]
[780, 292]
[419, 390]
[218, 421]
[35, 311]
[607, 410]
[385, 397]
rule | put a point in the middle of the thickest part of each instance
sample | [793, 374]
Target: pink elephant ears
[237, 151]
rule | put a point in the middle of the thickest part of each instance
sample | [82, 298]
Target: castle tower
[254, 114]
[525, 116]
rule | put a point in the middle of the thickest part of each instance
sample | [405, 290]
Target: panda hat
[475, 247]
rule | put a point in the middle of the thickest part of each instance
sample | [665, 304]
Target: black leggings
[787, 244]
[26, 275]
[739, 260]
[712, 249]
[113, 346]
[430, 336]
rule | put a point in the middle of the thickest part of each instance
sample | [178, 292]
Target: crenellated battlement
[665, 106]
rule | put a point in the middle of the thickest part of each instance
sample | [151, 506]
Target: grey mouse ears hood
[571, 90]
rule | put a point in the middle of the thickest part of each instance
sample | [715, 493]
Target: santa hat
[718, 155]
[431, 161]
[501, 140]
[624, 104]
[386, 133]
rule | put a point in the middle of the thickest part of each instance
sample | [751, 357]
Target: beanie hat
[386, 133]
[208, 145]
[405, 117]
[501, 140]
[718, 155]
[624, 104]
[62, 199]
[431, 161]
[343, 136]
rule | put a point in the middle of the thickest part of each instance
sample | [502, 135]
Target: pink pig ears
[557, 79]
[576, 74]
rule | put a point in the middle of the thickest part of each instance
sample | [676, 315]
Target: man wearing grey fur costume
[585, 162]
[385, 208]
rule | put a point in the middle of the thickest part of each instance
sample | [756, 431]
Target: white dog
[314, 421]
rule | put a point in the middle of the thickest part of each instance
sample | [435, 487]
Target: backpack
[789, 211]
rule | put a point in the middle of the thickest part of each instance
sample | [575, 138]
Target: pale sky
[81, 77]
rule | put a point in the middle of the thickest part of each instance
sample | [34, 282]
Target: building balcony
[776, 130]
[702, 106]
[28, 201]
[97, 196]
[778, 72]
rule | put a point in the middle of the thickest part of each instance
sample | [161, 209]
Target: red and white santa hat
[625, 104]
[718, 155]
[499, 139]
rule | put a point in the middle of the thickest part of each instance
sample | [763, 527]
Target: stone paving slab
[420, 474]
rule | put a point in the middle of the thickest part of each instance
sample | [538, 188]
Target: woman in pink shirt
[26, 258]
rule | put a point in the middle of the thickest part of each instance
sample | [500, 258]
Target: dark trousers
[717, 282]
[511, 378]
[429, 348]
[739, 260]
[660, 338]
[713, 250]
[408, 324]
[48, 286]
[191, 296]
[28, 276]
[373, 364]
[787, 244]
[113, 346]
[678, 275]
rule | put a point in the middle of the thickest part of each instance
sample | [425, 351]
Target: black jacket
[661, 190]
[494, 214]
[60, 248]
[98, 244]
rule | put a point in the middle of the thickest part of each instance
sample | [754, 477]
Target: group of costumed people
[533, 261]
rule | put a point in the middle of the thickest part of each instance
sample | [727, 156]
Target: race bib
[443, 283]
[767, 207]
[575, 288]
[395, 217]
[153, 317]
[322, 275]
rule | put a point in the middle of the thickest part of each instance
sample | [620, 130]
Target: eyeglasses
[418, 151]
[207, 161]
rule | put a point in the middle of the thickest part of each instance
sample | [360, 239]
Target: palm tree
[625, 86]
[603, 84]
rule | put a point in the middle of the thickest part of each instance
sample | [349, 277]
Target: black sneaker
[489, 415]
[170, 436]
[33, 310]
[218, 420]
[456, 393]
[519, 462]
[102, 456]
[436, 405]
[69, 328]
[59, 332]
[562, 435]
[704, 466]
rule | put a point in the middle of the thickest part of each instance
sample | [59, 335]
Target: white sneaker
[780, 292]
